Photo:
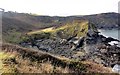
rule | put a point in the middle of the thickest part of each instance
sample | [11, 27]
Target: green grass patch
[65, 31]
[12, 36]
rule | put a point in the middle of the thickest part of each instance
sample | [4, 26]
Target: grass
[4, 55]
[5, 67]
[78, 28]
[79, 53]
[12, 36]
[18, 59]
[43, 30]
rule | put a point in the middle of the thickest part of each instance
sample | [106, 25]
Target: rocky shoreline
[92, 47]
[105, 53]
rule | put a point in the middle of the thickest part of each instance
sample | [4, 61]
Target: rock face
[61, 40]
[99, 51]
[75, 37]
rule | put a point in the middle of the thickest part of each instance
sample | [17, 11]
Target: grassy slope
[18, 59]
[16, 24]
[78, 28]
[6, 68]
[15, 59]
[21, 23]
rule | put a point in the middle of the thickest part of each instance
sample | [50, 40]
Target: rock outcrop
[75, 37]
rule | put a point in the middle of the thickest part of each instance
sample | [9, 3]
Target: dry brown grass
[97, 68]
[33, 61]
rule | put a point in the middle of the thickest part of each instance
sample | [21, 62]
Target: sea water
[114, 33]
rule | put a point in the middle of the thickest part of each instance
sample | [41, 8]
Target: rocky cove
[77, 40]
[114, 33]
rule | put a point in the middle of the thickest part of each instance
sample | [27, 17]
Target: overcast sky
[60, 7]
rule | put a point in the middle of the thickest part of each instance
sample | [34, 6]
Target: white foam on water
[113, 42]
[110, 33]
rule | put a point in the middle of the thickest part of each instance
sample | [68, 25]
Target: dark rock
[109, 39]
[80, 42]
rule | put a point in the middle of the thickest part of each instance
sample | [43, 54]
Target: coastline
[109, 31]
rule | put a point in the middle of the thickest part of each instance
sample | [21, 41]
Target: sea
[114, 33]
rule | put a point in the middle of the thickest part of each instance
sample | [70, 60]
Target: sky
[60, 7]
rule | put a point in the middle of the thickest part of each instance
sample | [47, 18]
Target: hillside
[16, 59]
[78, 40]
[104, 20]
[58, 44]
[77, 27]
[58, 40]
[16, 24]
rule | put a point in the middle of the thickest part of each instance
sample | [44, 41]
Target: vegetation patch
[12, 36]
[30, 61]
[6, 60]
[78, 28]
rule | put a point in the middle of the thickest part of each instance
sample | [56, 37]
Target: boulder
[116, 68]
[77, 42]
[109, 39]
